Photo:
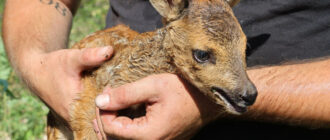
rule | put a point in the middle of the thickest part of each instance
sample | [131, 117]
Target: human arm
[296, 94]
[35, 34]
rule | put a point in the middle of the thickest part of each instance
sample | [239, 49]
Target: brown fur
[205, 24]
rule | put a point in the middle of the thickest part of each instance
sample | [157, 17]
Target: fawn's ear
[232, 3]
[169, 9]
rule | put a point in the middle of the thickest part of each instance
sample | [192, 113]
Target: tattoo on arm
[58, 6]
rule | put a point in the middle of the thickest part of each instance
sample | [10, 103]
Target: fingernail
[102, 100]
[104, 52]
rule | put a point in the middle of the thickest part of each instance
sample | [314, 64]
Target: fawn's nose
[237, 99]
[249, 96]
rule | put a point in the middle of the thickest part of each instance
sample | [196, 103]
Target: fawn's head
[207, 45]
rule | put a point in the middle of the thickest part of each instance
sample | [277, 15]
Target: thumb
[127, 95]
[90, 57]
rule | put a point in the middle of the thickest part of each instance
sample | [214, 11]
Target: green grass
[23, 116]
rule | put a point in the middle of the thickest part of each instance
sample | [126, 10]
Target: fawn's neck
[152, 51]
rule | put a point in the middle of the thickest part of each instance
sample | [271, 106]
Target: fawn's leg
[83, 112]
[82, 116]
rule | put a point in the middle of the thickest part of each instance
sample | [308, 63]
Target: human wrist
[29, 68]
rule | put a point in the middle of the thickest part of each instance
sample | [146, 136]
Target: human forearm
[34, 26]
[297, 94]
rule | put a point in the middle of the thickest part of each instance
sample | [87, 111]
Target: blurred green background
[23, 116]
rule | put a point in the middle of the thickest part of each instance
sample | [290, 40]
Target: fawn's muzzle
[237, 101]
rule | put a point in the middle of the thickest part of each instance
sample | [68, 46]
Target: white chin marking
[229, 107]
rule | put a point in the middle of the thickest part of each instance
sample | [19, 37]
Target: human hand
[174, 109]
[56, 76]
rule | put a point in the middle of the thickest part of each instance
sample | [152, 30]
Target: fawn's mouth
[232, 103]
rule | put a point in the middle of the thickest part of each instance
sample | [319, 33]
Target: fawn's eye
[201, 56]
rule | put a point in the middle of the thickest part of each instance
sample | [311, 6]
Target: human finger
[141, 91]
[90, 57]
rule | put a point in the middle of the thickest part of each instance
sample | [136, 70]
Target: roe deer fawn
[202, 41]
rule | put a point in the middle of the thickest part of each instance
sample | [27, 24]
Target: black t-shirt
[139, 15]
[285, 30]
[277, 31]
